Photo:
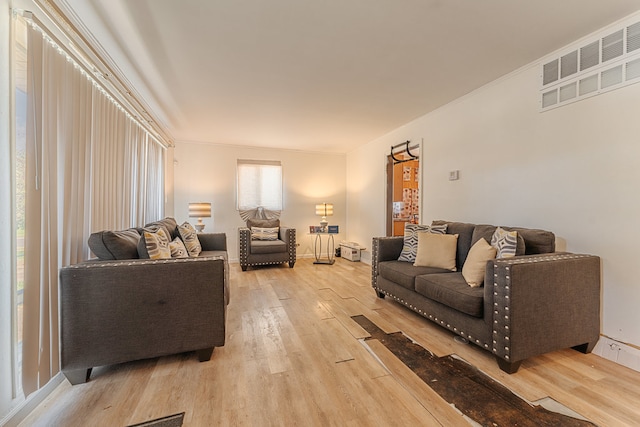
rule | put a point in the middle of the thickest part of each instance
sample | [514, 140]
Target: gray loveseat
[536, 302]
[119, 310]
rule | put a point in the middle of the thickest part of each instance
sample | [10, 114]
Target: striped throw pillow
[410, 244]
[263, 233]
[505, 243]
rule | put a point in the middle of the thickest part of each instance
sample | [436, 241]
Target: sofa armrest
[213, 241]
[384, 249]
[544, 303]
[118, 311]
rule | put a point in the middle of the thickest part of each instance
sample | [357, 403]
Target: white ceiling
[323, 75]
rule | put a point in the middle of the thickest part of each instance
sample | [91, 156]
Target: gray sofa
[119, 310]
[536, 302]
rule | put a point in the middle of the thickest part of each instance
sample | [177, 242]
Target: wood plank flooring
[293, 357]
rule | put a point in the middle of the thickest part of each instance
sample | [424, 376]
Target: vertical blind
[90, 166]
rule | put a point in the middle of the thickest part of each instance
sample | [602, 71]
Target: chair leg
[585, 348]
[244, 267]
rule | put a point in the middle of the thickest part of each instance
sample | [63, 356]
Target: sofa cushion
[268, 246]
[154, 244]
[410, 240]
[264, 223]
[169, 224]
[115, 244]
[264, 233]
[465, 233]
[475, 266]
[436, 250]
[452, 290]
[189, 236]
[404, 273]
[536, 241]
[484, 231]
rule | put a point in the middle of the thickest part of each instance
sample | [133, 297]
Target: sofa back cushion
[263, 223]
[536, 241]
[465, 234]
[115, 244]
[169, 224]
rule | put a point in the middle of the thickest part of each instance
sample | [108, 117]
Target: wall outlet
[454, 175]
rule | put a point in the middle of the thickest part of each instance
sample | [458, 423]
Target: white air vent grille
[610, 60]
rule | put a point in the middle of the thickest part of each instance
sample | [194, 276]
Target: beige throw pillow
[178, 250]
[436, 250]
[475, 265]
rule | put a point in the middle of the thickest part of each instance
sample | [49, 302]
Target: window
[259, 184]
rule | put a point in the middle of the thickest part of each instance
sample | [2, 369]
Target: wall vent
[607, 61]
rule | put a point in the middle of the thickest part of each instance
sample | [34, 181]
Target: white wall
[207, 173]
[574, 170]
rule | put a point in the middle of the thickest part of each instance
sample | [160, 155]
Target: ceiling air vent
[609, 60]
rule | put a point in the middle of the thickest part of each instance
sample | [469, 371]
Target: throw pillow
[436, 250]
[475, 265]
[410, 243]
[261, 233]
[178, 250]
[505, 242]
[189, 236]
[156, 244]
[266, 223]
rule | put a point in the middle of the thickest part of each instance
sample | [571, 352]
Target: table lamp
[200, 210]
[325, 210]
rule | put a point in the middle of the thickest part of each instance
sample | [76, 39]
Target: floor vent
[609, 60]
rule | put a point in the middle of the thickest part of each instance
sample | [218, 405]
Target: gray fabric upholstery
[169, 224]
[404, 273]
[266, 252]
[123, 310]
[452, 290]
[530, 304]
[108, 245]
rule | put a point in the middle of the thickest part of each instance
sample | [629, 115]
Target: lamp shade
[200, 210]
[324, 209]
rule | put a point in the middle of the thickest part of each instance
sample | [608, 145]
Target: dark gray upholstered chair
[266, 252]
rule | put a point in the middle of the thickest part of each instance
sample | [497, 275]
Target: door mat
[472, 392]
[170, 421]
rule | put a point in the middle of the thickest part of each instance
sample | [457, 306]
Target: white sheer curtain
[90, 166]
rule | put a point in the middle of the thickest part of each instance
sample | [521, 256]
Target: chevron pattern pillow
[410, 244]
[178, 250]
[505, 243]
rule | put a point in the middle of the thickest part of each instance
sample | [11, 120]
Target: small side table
[317, 248]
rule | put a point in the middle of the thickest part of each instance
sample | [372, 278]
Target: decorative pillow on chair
[475, 265]
[154, 244]
[262, 233]
[178, 250]
[189, 236]
[505, 243]
[436, 250]
[264, 223]
[410, 245]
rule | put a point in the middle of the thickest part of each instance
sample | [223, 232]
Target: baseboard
[619, 352]
[22, 411]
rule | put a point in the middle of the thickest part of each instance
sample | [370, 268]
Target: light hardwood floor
[293, 356]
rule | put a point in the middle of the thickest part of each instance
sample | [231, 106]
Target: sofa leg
[291, 264]
[508, 367]
[244, 267]
[585, 348]
[204, 355]
[380, 294]
[77, 376]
